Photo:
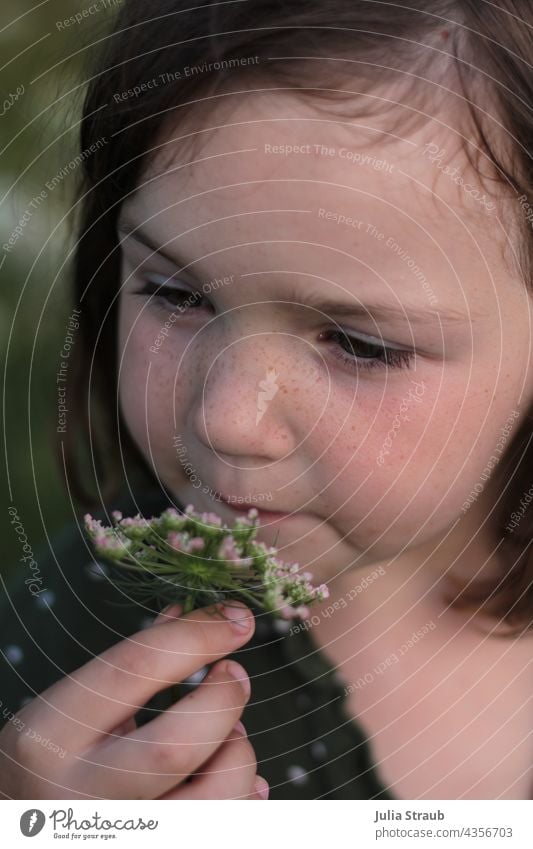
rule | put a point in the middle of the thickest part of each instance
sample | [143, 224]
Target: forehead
[266, 136]
[319, 189]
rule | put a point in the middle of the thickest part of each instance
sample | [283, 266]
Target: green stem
[164, 568]
[250, 596]
[188, 604]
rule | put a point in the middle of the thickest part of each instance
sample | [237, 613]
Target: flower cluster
[194, 559]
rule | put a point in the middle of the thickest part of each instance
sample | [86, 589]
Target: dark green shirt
[307, 746]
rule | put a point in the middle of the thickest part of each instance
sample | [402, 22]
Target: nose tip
[240, 410]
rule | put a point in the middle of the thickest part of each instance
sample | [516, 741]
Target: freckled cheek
[376, 424]
[388, 443]
[151, 391]
[400, 469]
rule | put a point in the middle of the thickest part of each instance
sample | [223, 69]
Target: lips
[239, 504]
[243, 507]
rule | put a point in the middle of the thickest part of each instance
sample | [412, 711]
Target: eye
[359, 353]
[170, 293]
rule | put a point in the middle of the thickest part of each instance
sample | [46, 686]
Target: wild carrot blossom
[194, 559]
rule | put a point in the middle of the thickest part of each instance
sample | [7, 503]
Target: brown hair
[487, 45]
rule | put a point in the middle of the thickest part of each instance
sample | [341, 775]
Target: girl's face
[317, 317]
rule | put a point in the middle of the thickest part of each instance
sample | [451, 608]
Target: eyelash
[392, 358]
[161, 292]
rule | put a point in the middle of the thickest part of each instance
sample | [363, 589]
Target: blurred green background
[43, 73]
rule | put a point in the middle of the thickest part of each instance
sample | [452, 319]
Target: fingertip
[261, 787]
[241, 617]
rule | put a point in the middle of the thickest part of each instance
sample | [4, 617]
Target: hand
[90, 716]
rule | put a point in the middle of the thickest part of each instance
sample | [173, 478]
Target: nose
[241, 408]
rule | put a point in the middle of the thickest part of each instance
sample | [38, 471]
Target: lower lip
[262, 515]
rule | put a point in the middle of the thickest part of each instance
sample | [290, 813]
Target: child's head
[304, 270]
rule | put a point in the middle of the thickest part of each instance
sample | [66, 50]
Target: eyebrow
[338, 308]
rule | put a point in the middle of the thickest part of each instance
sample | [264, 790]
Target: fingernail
[170, 611]
[236, 671]
[239, 727]
[261, 787]
[239, 616]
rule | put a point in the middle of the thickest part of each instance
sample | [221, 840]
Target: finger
[261, 788]
[171, 611]
[165, 751]
[228, 774]
[168, 612]
[124, 728]
[111, 688]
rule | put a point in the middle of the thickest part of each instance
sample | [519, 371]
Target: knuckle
[164, 757]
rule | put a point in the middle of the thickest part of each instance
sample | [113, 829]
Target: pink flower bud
[176, 541]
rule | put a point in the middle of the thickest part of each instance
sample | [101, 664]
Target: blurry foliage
[38, 137]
